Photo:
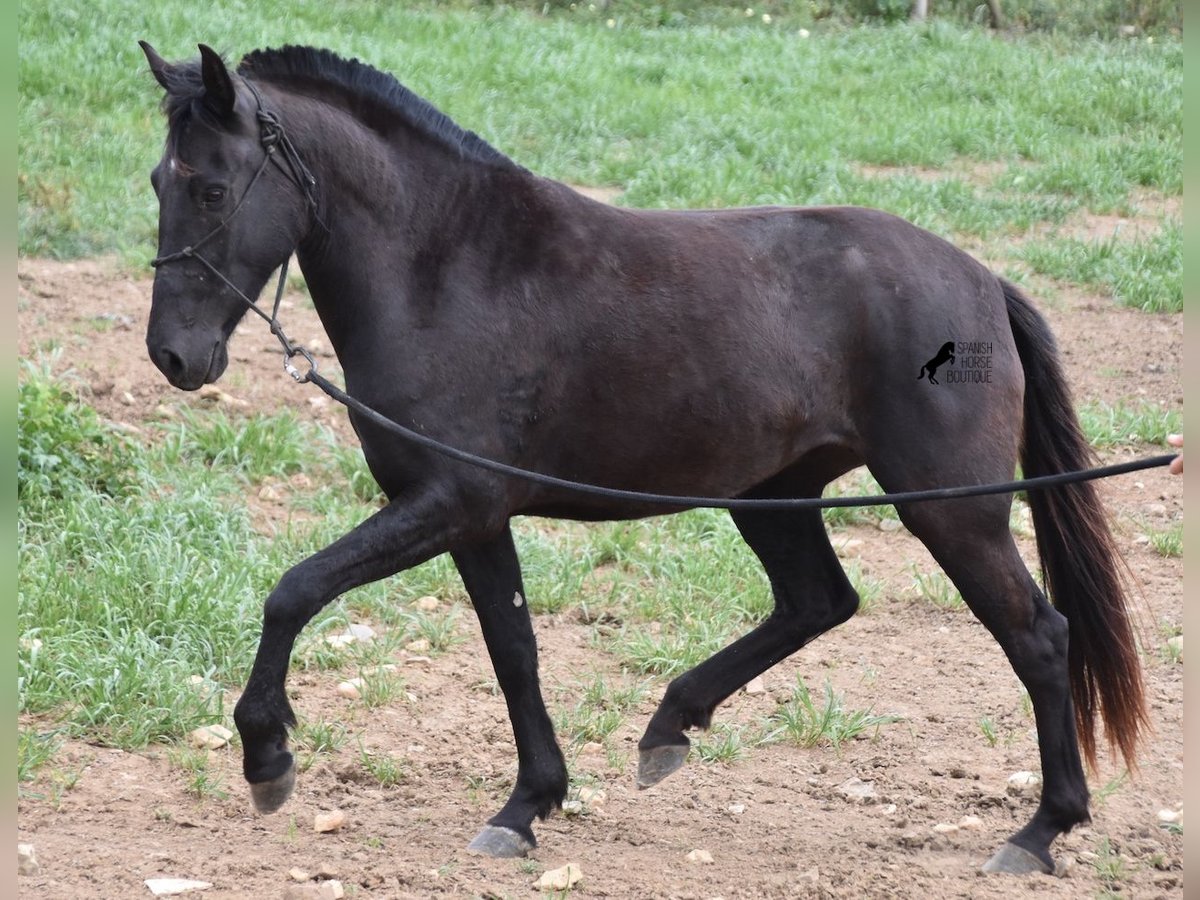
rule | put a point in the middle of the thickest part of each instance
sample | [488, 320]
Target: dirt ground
[776, 822]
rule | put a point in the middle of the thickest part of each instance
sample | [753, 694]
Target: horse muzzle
[189, 367]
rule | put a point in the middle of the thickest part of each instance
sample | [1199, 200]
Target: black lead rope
[273, 136]
[790, 503]
[594, 490]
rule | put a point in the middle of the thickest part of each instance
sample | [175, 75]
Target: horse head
[226, 218]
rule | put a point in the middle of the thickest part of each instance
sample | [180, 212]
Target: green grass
[1145, 274]
[808, 722]
[695, 116]
[1107, 425]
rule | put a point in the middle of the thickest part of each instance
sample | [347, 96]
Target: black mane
[376, 94]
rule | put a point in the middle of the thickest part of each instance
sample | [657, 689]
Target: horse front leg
[492, 576]
[403, 534]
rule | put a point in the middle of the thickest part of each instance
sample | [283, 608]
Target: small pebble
[944, 828]
[330, 821]
[561, 879]
[592, 796]
[210, 737]
[298, 875]
[700, 856]
[428, 604]
[736, 808]
[970, 822]
[420, 645]
[350, 689]
[755, 685]
[1170, 816]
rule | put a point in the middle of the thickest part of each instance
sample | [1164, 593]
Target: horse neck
[387, 204]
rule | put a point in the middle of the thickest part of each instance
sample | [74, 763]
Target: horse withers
[686, 352]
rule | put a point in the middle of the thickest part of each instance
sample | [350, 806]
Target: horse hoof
[268, 796]
[1013, 860]
[500, 843]
[657, 763]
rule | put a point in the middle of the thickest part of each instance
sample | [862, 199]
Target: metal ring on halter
[298, 376]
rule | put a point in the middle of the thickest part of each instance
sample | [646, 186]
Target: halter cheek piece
[272, 137]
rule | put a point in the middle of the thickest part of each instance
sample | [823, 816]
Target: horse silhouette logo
[945, 354]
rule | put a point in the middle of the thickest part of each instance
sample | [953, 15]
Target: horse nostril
[170, 362]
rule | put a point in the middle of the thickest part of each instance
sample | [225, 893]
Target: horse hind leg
[812, 595]
[972, 542]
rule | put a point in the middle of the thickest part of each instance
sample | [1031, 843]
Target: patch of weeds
[439, 630]
[384, 768]
[1109, 425]
[724, 744]
[988, 727]
[1143, 274]
[1100, 795]
[938, 589]
[800, 719]
[313, 738]
[868, 587]
[201, 783]
[64, 447]
[1167, 542]
[1109, 865]
[380, 688]
[253, 447]
[600, 711]
[34, 750]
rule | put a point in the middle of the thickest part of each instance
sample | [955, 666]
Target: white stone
[1170, 816]
[428, 604]
[890, 525]
[330, 821]
[857, 790]
[1021, 782]
[736, 808]
[166, 887]
[945, 828]
[572, 807]
[332, 890]
[420, 645]
[970, 822]
[298, 875]
[210, 737]
[700, 856]
[351, 689]
[755, 685]
[561, 879]
[361, 632]
[593, 797]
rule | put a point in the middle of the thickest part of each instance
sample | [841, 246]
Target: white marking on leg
[518, 599]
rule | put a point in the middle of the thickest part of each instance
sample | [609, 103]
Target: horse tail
[1078, 554]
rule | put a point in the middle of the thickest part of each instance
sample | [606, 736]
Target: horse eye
[213, 196]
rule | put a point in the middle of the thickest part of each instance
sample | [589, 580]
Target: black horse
[944, 355]
[684, 352]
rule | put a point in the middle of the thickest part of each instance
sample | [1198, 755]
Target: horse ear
[159, 67]
[219, 93]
